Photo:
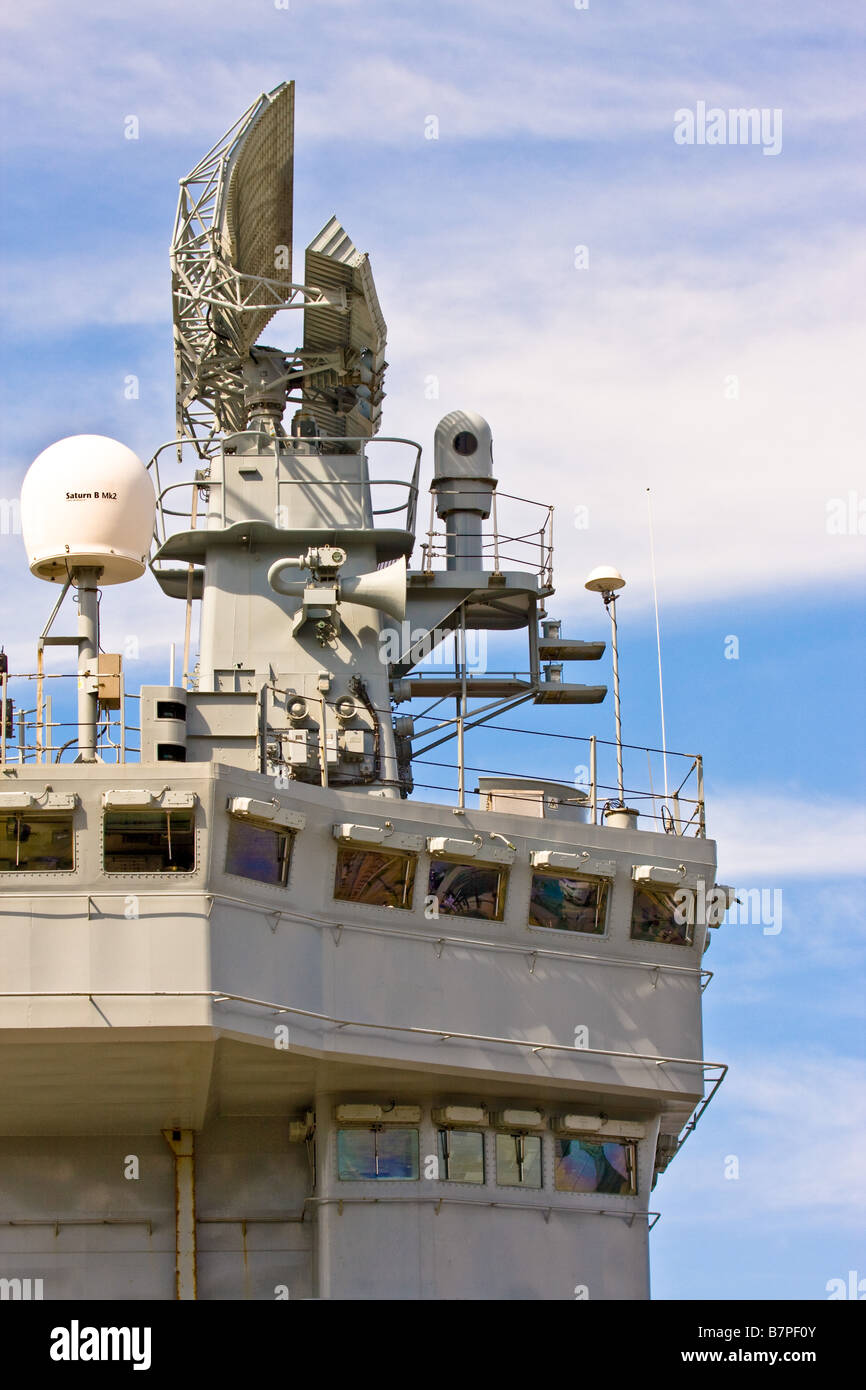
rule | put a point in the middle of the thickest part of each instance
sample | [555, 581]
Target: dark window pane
[35, 843]
[568, 903]
[583, 1165]
[461, 1155]
[468, 890]
[255, 851]
[518, 1160]
[375, 877]
[138, 842]
[653, 917]
[356, 1154]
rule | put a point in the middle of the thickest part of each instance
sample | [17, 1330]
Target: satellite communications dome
[87, 501]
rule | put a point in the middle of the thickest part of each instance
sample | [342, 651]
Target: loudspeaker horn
[384, 589]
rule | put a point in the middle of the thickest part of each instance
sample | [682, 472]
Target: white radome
[87, 501]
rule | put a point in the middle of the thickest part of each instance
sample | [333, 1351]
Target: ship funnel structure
[463, 484]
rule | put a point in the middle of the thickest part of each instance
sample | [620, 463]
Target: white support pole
[610, 600]
[86, 581]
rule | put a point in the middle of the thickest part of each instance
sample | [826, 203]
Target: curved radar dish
[231, 266]
[231, 262]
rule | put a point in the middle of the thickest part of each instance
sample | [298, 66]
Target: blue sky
[707, 266]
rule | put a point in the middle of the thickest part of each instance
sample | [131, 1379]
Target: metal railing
[279, 448]
[33, 735]
[530, 550]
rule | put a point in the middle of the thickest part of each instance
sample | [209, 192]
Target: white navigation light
[87, 502]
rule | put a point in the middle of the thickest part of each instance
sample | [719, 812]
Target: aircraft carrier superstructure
[275, 1021]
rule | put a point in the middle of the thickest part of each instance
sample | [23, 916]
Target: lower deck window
[384, 1152]
[518, 1160]
[261, 852]
[136, 842]
[568, 902]
[461, 1155]
[375, 877]
[468, 890]
[585, 1165]
[37, 844]
[655, 916]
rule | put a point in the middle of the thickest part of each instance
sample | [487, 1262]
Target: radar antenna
[231, 257]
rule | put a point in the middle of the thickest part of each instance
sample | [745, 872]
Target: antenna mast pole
[658, 640]
[86, 580]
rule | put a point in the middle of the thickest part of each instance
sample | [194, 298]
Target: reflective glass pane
[396, 1153]
[468, 890]
[136, 842]
[568, 902]
[653, 917]
[461, 1155]
[583, 1165]
[356, 1154]
[255, 851]
[38, 844]
[370, 876]
[518, 1160]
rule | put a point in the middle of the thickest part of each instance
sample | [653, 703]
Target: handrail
[443, 1034]
[428, 938]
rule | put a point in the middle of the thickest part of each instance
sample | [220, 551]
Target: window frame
[443, 1158]
[168, 812]
[377, 1128]
[603, 899]
[516, 1135]
[659, 893]
[597, 1140]
[253, 823]
[411, 858]
[44, 816]
[503, 870]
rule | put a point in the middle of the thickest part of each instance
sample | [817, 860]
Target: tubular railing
[531, 550]
[33, 735]
[279, 446]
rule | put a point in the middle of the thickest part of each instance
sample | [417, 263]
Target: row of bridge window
[579, 1164]
[162, 841]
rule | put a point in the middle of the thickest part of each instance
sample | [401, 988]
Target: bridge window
[376, 877]
[146, 842]
[382, 1151]
[468, 890]
[518, 1160]
[260, 852]
[590, 1165]
[654, 916]
[568, 902]
[461, 1155]
[36, 844]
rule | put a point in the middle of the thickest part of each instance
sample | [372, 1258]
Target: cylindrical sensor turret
[463, 485]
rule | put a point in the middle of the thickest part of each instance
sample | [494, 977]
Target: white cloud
[795, 1125]
[764, 836]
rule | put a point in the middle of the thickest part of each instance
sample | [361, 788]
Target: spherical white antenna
[604, 580]
[87, 502]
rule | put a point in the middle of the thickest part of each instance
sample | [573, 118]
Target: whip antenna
[658, 638]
